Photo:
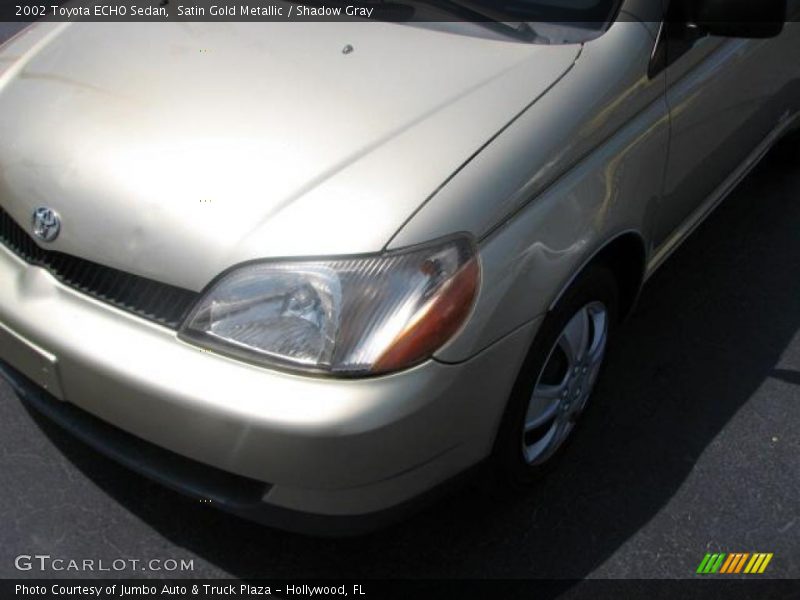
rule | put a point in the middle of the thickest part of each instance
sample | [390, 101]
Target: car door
[725, 95]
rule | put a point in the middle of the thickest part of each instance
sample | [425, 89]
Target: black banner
[632, 589]
[303, 11]
[585, 14]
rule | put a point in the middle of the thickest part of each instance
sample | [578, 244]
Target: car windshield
[560, 11]
[599, 12]
[538, 21]
[534, 21]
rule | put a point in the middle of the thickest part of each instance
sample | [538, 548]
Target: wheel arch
[626, 256]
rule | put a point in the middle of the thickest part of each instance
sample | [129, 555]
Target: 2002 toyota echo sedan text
[312, 271]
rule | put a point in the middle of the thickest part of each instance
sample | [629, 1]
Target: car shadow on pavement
[709, 330]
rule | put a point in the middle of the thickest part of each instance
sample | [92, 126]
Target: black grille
[159, 302]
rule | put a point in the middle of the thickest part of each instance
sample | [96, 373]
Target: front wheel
[557, 377]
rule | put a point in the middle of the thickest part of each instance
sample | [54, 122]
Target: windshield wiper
[465, 10]
[482, 14]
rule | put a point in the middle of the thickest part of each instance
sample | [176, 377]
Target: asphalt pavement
[691, 446]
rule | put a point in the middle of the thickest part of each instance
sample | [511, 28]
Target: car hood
[174, 151]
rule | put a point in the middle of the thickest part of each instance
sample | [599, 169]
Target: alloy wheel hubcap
[565, 383]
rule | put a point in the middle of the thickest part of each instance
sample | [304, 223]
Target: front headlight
[349, 316]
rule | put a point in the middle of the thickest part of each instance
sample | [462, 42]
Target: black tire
[596, 283]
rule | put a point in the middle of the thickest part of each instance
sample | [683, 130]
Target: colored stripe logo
[733, 563]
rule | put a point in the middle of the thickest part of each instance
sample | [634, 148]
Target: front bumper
[327, 447]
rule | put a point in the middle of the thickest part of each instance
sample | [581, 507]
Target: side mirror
[737, 18]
